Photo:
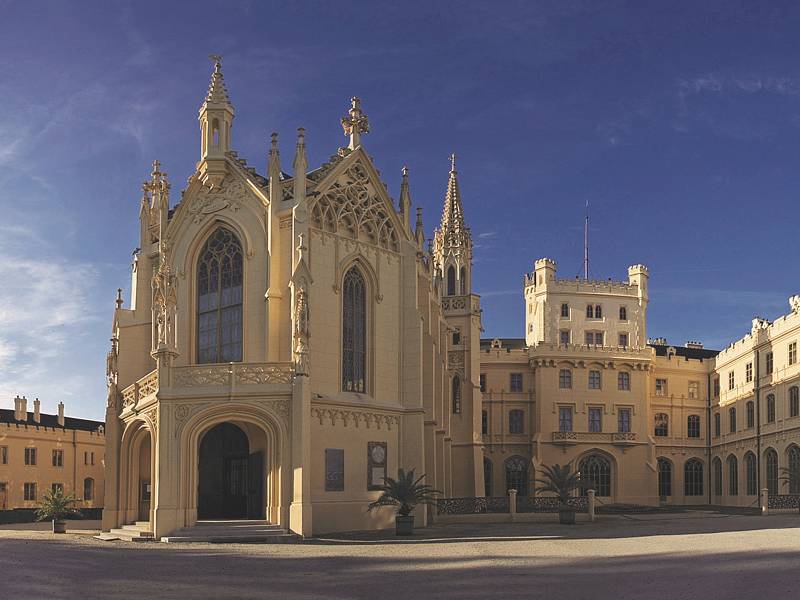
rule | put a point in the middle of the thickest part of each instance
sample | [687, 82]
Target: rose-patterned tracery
[351, 207]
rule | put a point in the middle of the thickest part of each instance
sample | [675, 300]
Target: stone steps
[137, 532]
[232, 532]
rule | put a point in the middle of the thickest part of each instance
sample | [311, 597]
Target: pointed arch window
[693, 477]
[794, 401]
[751, 473]
[354, 332]
[456, 395]
[664, 478]
[733, 476]
[451, 281]
[772, 472]
[88, 489]
[219, 299]
[596, 470]
[517, 475]
[462, 280]
[717, 471]
[794, 469]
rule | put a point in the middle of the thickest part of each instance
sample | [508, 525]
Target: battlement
[544, 276]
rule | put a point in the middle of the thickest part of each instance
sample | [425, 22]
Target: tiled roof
[684, 352]
[7, 416]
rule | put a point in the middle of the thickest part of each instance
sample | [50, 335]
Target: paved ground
[651, 557]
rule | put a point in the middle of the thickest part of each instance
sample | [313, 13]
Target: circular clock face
[378, 454]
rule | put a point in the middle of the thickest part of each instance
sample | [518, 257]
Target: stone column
[765, 501]
[300, 521]
[590, 502]
[512, 504]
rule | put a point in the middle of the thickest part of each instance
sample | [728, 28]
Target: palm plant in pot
[404, 493]
[55, 506]
[561, 480]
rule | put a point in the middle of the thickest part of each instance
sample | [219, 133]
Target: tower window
[451, 281]
[565, 311]
[215, 133]
[598, 312]
[463, 281]
[623, 313]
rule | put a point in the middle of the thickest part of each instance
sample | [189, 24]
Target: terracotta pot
[404, 525]
[566, 515]
[59, 526]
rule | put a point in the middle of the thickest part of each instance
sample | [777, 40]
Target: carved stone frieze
[211, 200]
[347, 417]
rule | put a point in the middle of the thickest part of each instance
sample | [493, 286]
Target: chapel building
[289, 342]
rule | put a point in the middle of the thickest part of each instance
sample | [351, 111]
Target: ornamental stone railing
[471, 506]
[784, 501]
[468, 303]
[575, 437]
[227, 375]
[549, 504]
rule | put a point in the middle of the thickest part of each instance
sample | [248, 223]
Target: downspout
[74, 463]
[709, 391]
[757, 390]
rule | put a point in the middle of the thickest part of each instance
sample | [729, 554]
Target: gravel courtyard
[675, 556]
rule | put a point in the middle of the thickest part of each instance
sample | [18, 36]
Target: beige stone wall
[77, 447]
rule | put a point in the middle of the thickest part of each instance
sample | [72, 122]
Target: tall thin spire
[453, 213]
[405, 200]
[217, 92]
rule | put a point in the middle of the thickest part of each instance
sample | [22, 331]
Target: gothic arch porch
[138, 464]
[259, 431]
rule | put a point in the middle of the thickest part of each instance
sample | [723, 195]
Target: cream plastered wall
[75, 469]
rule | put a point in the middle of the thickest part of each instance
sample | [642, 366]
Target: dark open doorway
[230, 477]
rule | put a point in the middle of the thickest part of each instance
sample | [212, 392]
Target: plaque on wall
[376, 465]
[334, 470]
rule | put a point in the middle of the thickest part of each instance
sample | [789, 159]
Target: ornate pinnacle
[119, 298]
[453, 163]
[217, 60]
[356, 123]
[217, 93]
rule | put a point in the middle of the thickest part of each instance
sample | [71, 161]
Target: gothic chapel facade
[289, 342]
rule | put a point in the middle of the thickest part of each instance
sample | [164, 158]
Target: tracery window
[598, 312]
[451, 281]
[794, 401]
[662, 425]
[770, 408]
[664, 478]
[517, 475]
[751, 472]
[462, 279]
[354, 332]
[565, 311]
[793, 456]
[693, 426]
[693, 477]
[733, 476]
[717, 471]
[597, 470]
[772, 471]
[219, 299]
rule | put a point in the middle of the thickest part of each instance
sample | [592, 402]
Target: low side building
[41, 451]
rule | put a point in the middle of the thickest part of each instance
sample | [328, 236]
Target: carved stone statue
[165, 300]
[301, 329]
[794, 303]
[112, 371]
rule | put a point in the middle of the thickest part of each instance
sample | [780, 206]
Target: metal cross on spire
[355, 123]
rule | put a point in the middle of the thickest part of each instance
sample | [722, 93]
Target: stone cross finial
[356, 123]
[217, 60]
[119, 298]
[453, 163]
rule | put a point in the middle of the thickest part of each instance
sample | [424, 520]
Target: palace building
[290, 340]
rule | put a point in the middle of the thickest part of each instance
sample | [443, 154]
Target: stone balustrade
[577, 437]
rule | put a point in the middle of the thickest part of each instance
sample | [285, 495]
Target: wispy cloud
[487, 234]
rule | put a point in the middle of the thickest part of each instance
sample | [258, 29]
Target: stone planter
[59, 526]
[566, 515]
[404, 525]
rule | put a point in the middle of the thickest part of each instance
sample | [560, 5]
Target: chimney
[16, 408]
[37, 417]
[23, 409]
[61, 414]
[694, 345]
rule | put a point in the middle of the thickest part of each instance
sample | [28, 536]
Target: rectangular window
[661, 387]
[792, 353]
[3, 455]
[86, 458]
[91, 458]
[595, 420]
[693, 426]
[516, 382]
[732, 419]
[57, 487]
[694, 390]
[770, 363]
[624, 420]
[58, 458]
[598, 338]
[565, 379]
[334, 470]
[623, 340]
[30, 456]
[716, 387]
[376, 465]
[484, 422]
[730, 381]
[565, 311]
[770, 408]
[590, 338]
[748, 372]
[564, 418]
[483, 382]
[751, 415]
[516, 421]
[624, 381]
[717, 427]
[595, 380]
[563, 337]
[29, 491]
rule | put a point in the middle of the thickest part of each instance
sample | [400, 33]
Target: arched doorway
[596, 470]
[144, 487]
[230, 482]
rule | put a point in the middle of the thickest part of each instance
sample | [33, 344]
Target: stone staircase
[140, 531]
[233, 532]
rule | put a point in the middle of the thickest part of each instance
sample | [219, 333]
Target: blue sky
[678, 121]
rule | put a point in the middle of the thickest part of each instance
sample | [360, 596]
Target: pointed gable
[352, 201]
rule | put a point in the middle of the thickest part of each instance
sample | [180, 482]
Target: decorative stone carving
[260, 374]
[165, 300]
[352, 208]
[354, 417]
[152, 415]
[201, 376]
[794, 303]
[112, 372]
[228, 194]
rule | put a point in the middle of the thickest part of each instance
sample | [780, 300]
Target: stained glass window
[354, 332]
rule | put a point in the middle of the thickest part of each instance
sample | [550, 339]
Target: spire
[300, 159]
[419, 231]
[452, 224]
[217, 93]
[452, 242]
[274, 158]
[355, 123]
[405, 201]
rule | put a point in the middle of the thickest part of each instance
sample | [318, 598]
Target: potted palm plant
[404, 493]
[791, 476]
[561, 480]
[57, 507]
